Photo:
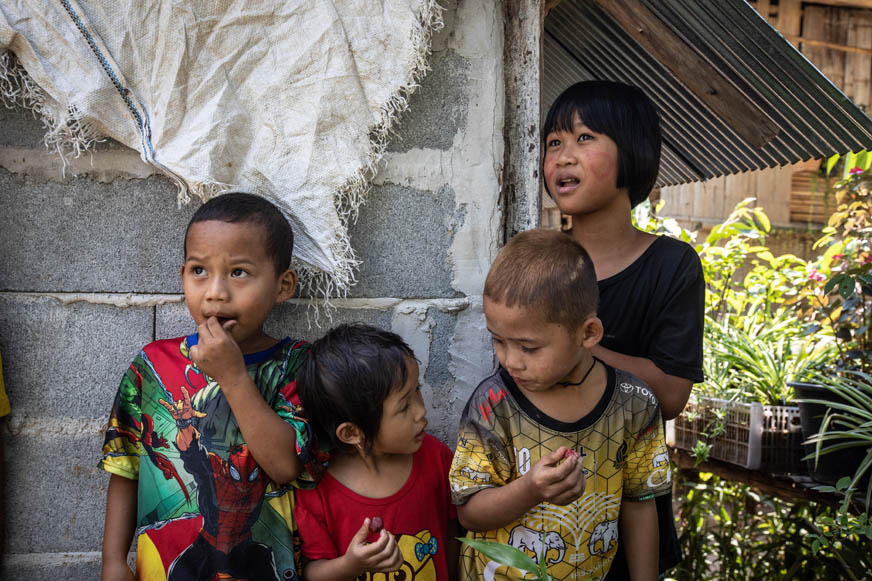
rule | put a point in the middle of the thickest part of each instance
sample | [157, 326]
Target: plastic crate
[781, 449]
[739, 441]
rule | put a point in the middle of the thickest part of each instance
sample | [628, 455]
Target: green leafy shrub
[839, 292]
[733, 531]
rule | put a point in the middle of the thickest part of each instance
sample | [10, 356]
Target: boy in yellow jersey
[556, 441]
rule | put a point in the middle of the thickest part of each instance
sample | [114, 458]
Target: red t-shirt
[418, 514]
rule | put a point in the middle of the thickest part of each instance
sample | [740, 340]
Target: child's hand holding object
[381, 556]
[558, 477]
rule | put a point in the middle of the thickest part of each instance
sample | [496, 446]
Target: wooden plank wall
[838, 40]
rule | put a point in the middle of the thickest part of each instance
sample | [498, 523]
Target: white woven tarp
[288, 99]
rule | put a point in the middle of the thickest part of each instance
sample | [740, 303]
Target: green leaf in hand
[503, 554]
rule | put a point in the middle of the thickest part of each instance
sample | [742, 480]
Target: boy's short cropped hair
[548, 272]
[627, 116]
[243, 207]
[347, 377]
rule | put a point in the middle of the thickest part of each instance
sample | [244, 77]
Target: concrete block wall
[89, 260]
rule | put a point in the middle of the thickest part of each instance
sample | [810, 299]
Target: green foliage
[845, 524]
[755, 356]
[733, 531]
[840, 292]
[510, 557]
[714, 428]
[648, 219]
[743, 277]
[847, 422]
[754, 341]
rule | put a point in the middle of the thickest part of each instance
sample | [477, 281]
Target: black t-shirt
[655, 309]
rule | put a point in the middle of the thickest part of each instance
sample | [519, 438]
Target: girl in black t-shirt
[602, 154]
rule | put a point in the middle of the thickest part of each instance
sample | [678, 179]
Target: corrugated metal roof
[814, 118]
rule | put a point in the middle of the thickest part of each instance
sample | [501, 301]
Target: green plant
[649, 219]
[847, 422]
[510, 556]
[714, 428]
[743, 276]
[839, 290]
[756, 356]
[844, 524]
[734, 531]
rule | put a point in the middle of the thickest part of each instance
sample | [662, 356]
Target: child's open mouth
[567, 184]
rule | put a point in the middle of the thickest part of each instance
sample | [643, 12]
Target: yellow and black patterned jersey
[623, 448]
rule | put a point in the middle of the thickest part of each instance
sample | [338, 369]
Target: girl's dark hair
[242, 207]
[348, 374]
[627, 116]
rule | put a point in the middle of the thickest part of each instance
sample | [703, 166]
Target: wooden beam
[858, 67]
[550, 5]
[789, 18]
[522, 72]
[781, 486]
[698, 75]
[763, 7]
[867, 4]
[831, 45]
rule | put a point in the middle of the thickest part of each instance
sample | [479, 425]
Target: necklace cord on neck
[570, 384]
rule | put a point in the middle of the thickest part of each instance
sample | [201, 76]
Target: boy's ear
[350, 434]
[287, 285]
[591, 332]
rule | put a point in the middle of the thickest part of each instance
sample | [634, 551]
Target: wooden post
[858, 67]
[522, 68]
[789, 18]
[763, 7]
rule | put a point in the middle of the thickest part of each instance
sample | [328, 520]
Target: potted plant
[845, 432]
[754, 343]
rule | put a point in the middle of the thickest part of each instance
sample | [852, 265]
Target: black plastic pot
[831, 466]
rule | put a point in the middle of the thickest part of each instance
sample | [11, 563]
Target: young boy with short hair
[556, 444]
[205, 434]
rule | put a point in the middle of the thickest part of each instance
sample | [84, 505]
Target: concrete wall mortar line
[35, 426]
[41, 165]
[126, 300]
[122, 300]
[42, 559]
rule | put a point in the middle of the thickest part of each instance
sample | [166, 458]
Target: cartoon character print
[148, 437]
[475, 475]
[604, 537]
[418, 552]
[230, 496]
[537, 544]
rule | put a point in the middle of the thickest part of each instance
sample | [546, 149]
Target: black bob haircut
[627, 116]
[348, 375]
[241, 207]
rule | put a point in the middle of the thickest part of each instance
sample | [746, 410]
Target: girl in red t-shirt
[384, 504]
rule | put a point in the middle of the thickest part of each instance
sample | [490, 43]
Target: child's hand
[382, 556]
[216, 353]
[556, 482]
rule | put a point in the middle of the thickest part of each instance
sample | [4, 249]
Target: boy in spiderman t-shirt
[205, 433]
